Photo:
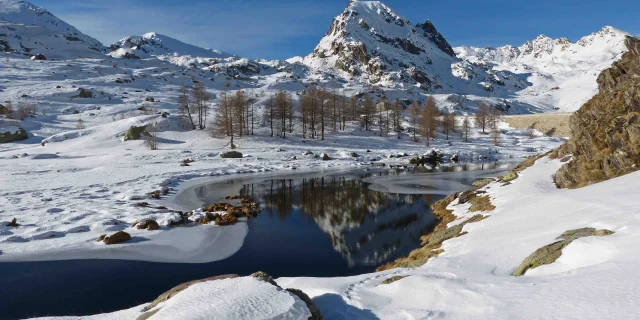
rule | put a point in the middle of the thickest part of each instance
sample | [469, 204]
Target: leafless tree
[151, 140]
[201, 100]
[448, 123]
[482, 116]
[495, 136]
[397, 110]
[80, 124]
[413, 118]
[368, 108]
[429, 119]
[466, 128]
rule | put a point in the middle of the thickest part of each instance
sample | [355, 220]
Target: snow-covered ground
[72, 190]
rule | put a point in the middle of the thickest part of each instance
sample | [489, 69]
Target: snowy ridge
[154, 44]
[562, 74]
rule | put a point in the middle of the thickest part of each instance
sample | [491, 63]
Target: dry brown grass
[481, 204]
[552, 124]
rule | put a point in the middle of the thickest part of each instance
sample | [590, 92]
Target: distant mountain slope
[563, 74]
[29, 29]
[154, 44]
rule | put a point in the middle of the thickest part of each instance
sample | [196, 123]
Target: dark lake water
[325, 224]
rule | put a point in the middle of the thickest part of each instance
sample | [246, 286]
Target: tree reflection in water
[366, 227]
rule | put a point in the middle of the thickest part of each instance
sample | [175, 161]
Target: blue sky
[280, 29]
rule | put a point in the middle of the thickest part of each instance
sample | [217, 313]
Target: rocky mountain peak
[432, 33]
[370, 41]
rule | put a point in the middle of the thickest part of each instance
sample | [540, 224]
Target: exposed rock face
[551, 252]
[437, 38]
[606, 129]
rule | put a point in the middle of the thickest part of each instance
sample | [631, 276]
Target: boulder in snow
[38, 57]
[117, 237]
[231, 155]
[13, 134]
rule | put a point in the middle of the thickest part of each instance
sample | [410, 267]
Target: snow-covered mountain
[29, 29]
[154, 44]
[562, 74]
[370, 43]
[368, 47]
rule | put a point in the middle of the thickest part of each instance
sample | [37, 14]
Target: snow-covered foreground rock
[472, 278]
[231, 298]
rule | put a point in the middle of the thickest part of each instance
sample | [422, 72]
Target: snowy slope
[154, 44]
[562, 74]
[29, 29]
[595, 278]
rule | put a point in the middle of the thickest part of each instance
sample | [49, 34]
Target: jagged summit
[543, 47]
[155, 44]
[369, 42]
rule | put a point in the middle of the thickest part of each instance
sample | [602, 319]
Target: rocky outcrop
[135, 133]
[606, 130]
[436, 37]
[18, 135]
[551, 252]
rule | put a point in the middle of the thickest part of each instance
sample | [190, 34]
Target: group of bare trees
[427, 120]
[19, 112]
[319, 110]
[323, 110]
[234, 116]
